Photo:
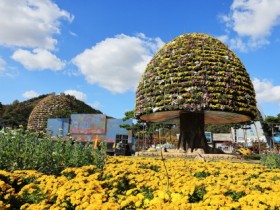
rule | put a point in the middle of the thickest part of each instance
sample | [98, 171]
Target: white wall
[248, 136]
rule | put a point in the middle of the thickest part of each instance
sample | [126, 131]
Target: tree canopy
[273, 120]
[271, 123]
[17, 113]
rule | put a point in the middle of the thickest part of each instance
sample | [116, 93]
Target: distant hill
[18, 113]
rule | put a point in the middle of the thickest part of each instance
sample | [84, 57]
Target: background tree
[140, 129]
[273, 120]
[150, 131]
[272, 124]
[216, 128]
[17, 113]
[196, 80]
[1, 115]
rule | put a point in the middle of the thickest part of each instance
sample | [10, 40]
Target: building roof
[222, 137]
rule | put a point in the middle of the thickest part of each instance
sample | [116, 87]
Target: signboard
[208, 136]
[113, 129]
[222, 137]
[88, 124]
[58, 126]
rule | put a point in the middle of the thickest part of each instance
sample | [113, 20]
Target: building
[92, 127]
[248, 134]
[245, 136]
[223, 141]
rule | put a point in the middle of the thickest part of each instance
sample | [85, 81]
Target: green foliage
[24, 150]
[218, 128]
[252, 157]
[148, 193]
[139, 129]
[198, 194]
[253, 176]
[17, 113]
[36, 197]
[149, 166]
[202, 174]
[135, 127]
[146, 130]
[128, 115]
[235, 195]
[271, 160]
[273, 120]
[269, 122]
[100, 155]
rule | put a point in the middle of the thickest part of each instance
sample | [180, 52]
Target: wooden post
[96, 142]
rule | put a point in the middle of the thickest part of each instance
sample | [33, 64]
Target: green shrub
[26, 150]
[235, 195]
[271, 160]
[202, 174]
[252, 157]
[100, 155]
[198, 194]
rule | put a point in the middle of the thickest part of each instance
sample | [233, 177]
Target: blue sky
[97, 50]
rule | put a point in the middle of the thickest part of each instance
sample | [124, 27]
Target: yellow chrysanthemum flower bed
[143, 183]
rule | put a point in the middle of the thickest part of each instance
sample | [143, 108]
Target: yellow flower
[176, 197]
[141, 183]
[140, 196]
[124, 203]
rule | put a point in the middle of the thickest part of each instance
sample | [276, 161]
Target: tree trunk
[192, 133]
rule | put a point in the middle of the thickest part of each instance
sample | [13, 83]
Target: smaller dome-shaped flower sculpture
[56, 106]
[195, 76]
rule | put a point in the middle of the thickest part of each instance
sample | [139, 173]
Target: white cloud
[95, 105]
[234, 43]
[30, 94]
[2, 65]
[117, 63]
[30, 23]
[253, 21]
[79, 95]
[38, 59]
[6, 70]
[73, 34]
[255, 18]
[266, 92]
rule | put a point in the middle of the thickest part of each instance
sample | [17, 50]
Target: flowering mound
[142, 183]
[195, 72]
[56, 106]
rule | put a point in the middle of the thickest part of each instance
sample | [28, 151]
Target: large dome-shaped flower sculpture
[197, 79]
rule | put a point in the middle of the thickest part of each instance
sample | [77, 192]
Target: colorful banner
[88, 124]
